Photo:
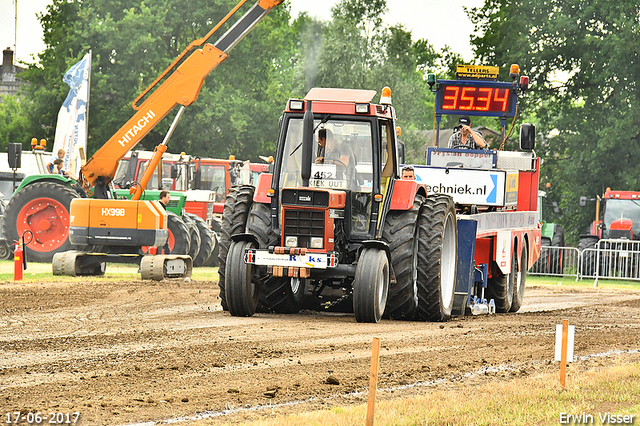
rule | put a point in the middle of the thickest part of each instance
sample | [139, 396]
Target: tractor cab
[346, 153]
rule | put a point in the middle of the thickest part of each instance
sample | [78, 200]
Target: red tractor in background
[617, 218]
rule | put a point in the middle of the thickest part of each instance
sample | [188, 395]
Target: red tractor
[335, 226]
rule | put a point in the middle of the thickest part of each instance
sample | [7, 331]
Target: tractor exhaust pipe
[307, 144]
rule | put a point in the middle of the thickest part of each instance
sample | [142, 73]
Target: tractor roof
[340, 95]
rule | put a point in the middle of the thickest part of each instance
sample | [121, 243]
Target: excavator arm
[181, 87]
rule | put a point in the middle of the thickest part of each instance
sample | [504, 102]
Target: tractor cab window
[619, 211]
[213, 179]
[341, 160]
[153, 183]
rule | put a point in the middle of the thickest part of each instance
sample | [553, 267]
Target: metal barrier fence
[557, 261]
[608, 259]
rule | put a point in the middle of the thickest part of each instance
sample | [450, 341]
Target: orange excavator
[120, 227]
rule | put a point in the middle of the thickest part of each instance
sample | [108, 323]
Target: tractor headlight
[291, 241]
[316, 242]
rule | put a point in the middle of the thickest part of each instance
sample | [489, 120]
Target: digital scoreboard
[476, 97]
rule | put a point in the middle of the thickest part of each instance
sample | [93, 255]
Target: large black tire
[216, 227]
[43, 208]
[277, 294]
[242, 286]
[521, 280]
[371, 285]
[400, 233]
[207, 241]
[215, 253]
[194, 236]
[437, 258]
[234, 221]
[179, 232]
[589, 258]
[542, 264]
[556, 258]
[501, 287]
[6, 252]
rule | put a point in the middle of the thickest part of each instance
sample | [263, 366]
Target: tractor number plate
[263, 257]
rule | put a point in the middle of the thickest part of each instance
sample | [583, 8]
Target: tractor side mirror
[400, 152]
[556, 209]
[174, 171]
[583, 201]
[527, 137]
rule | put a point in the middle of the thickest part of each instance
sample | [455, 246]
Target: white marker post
[373, 381]
[565, 336]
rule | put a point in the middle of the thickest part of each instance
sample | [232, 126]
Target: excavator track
[158, 267]
[73, 263]
[152, 267]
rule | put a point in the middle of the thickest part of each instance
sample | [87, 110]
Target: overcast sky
[440, 22]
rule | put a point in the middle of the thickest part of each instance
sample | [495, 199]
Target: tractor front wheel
[242, 291]
[371, 285]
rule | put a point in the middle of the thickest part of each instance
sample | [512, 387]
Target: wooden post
[563, 355]
[373, 380]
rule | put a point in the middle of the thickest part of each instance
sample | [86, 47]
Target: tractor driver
[465, 137]
[332, 152]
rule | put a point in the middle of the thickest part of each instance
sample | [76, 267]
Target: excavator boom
[181, 87]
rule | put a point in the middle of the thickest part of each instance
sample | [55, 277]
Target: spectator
[165, 197]
[59, 155]
[465, 137]
[408, 173]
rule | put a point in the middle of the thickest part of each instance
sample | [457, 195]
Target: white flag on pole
[71, 128]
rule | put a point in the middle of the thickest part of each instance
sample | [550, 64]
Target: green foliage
[13, 121]
[238, 108]
[582, 58]
[132, 44]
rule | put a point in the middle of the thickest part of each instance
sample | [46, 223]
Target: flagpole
[88, 99]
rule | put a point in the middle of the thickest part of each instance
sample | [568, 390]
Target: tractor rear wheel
[521, 279]
[42, 208]
[206, 240]
[234, 221]
[400, 233]
[437, 258]
[216, 228]
[370, 285]
[501, 287]
[194, 236]
[242, 289]
[556, 258]
[179, 238]
[589, 257]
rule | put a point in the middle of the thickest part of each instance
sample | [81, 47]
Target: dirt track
[129, 352]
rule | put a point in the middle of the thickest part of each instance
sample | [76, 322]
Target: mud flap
[466, 252]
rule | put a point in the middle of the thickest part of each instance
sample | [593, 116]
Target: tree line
[581, 57]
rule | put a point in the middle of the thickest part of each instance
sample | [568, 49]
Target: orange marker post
[563, 356]
[373, 381]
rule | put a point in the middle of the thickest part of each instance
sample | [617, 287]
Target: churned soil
[133, 352]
